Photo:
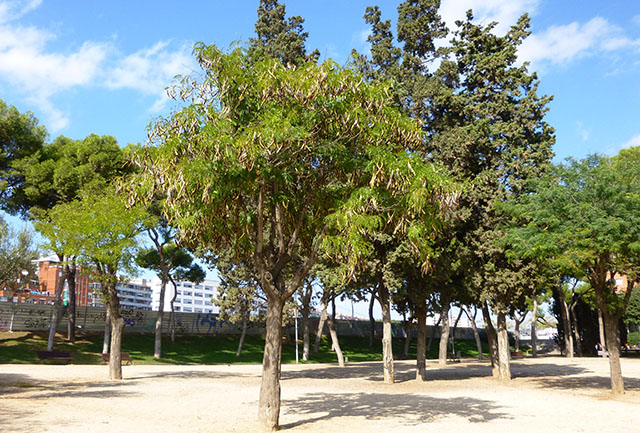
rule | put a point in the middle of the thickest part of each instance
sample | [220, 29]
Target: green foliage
[178, 262]
[632, 314]
[269, 152]
[278, 37]
[99, 229]
[20, 137]
[584, 218]
[17, 251]
[62, 169]
[239, 295]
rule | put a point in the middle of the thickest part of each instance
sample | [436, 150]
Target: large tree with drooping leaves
[263, 159]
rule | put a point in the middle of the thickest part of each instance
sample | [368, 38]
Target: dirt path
[547, 394]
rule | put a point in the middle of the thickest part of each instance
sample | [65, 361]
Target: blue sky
[102, 67]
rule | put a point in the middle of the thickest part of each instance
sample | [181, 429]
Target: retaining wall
[35, 317]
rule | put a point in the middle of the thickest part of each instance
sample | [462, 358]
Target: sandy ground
[547, 394]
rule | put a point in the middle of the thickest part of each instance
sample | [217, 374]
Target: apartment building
[189, 297]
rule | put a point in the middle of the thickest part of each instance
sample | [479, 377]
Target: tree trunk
[117, 325]
[245, 324]
[503, 348]
[269, 404]
[71, 282]
[115, 357]
[476, 334]
[516, 334]
[433, 333]
[334, 341]
[566, 324]
[172, 316]
[55, 313]
[421, 343]
[321, 320]
[106, 342]
[455, 324]
[492, 337]
[407, 339]
[574, 326]
[333, 319]
[603, 341]
[612, 333]
[534, 320]
[306, 327]
[387, 347]
[157, 347]
[372, 320]
[13, 314]
[444, 333]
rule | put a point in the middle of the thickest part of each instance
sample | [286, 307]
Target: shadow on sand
[412, 409]
[406, 371]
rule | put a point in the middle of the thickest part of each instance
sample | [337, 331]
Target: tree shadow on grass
[407, 409]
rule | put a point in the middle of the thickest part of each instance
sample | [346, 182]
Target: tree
[101, 231]
[485, 123]
[169, 262]
[262, 159]
[585, 216]
[20, 137]
[57, 173]
[239, 298]
[17, 256]
[278, 37]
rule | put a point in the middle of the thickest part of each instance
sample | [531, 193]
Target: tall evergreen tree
[279, 37]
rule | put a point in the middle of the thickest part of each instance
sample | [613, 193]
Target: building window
[186, 293]
[198, 295]
[187, 309]
[197, 302]
[197, 310]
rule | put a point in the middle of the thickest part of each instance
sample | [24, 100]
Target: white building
[190, 297]
[135, 293]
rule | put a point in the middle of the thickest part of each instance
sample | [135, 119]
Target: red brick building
[49, 275]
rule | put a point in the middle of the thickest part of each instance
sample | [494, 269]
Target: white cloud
[635, 141]
[505, 12]
[150, 70]
[25, 63]
[560, 45]
[582, 131]
[13, 9]
[28, 64]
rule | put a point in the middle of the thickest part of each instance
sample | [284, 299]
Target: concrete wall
[34, 317]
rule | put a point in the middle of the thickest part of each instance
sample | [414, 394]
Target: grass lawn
[21, 347]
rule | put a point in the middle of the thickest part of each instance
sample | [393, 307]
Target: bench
[518, 354]
[54, 356]
[124, 357]
[455, 357]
